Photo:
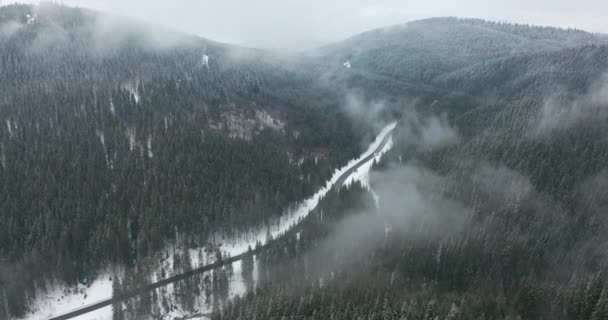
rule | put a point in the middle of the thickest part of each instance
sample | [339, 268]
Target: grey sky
[297, 24]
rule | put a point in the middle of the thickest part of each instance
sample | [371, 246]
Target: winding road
[104, 303]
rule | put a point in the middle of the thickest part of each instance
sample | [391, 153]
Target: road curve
[104, 303]
[363, 161]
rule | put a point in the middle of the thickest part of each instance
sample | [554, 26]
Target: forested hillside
[422, 50]
[492, 209]
[494, 213]
[117, 137]
[120, 140]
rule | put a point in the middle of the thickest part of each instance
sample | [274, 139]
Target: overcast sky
[299, 24]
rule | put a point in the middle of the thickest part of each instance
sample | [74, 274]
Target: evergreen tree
[117, 310]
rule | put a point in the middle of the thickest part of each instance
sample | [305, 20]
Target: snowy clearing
[61, 299]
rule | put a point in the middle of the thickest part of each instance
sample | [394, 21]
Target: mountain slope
[115, 142]
[491, 209]
[494, 210]
[421, 50]
[121, 142]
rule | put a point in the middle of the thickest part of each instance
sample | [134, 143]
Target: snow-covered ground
[362, 173]
[62, 300]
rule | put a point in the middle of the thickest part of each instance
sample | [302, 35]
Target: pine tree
[600, 311]
[187, 288]
[454, 313]
[117, 310]
[4, 303]
[247, 265]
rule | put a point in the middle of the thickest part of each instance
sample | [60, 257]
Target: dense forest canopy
[119, 139]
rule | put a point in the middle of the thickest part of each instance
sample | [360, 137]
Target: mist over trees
[118, 140]
[501, 220]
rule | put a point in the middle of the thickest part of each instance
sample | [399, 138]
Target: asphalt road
[363, 161]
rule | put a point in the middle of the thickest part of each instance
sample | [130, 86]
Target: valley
[443, 168]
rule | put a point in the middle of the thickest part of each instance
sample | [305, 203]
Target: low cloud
[361, 111]
[426, 133]
[413, 204]
[104, 34]
[593, 195]
[295, 25]
[413, 195]
[9, 28]
[502, 185]
[558, 113]
[115, 31]
[415, 130]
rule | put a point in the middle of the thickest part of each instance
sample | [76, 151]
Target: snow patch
[205, 61]
[2, 155]
[149, 146]
[298, 162]
[133, 90]
[238, 287]
[31, 18]
[244, 125]
[59, 300]
[362, 173]
[166, 123]
[102, 139]
[112, 108]
[268, 121]
[131, 136]
[9, 127]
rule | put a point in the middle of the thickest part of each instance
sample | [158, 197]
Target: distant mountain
[570, 70]
[421, 50]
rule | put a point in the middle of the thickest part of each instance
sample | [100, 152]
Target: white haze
[427, 133]
[556, 114]
[299, 24]
[8, 28]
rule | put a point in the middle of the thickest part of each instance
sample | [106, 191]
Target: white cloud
[8, 28]
[557, 114]
[428, 133]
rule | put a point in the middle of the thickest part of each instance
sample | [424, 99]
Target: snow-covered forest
[445, 168]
